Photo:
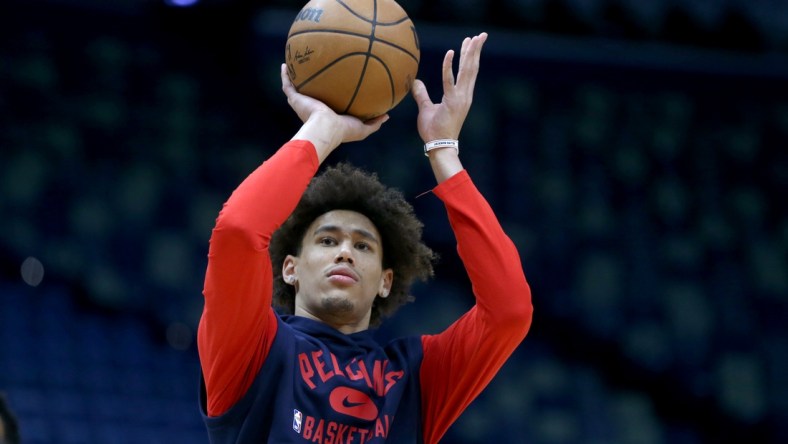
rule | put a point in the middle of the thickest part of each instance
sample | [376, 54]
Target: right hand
[444, 120]
[322, 126]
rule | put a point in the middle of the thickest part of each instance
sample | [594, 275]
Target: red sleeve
[459, 362]
[238, 324]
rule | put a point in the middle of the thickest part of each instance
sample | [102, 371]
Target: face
[339, 272]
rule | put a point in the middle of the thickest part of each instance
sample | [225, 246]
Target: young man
[339, 251]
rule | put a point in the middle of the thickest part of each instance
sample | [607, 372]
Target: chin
[338, 304]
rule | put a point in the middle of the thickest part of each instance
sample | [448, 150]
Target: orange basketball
[359, 57]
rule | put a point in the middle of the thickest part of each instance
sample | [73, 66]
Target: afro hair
[345, 187]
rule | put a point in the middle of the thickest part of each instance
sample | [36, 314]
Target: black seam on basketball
[396, 22]
[355, 34]
[393, 23]
[391, 78]
[355, 13]
[330, 31]
[326, 67]
[393, 45]
[371, 38]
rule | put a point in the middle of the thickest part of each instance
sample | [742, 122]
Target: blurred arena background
[635, 150]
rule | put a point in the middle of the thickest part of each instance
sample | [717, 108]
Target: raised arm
[238, 324]
[444, 120]
[459, 362]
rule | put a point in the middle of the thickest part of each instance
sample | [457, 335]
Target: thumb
[420, 95]
[375, 124]
[287, 84]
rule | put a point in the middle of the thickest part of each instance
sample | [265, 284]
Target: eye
[363, 246]
[327, 241]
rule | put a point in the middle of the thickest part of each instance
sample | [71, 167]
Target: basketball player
[339, 252]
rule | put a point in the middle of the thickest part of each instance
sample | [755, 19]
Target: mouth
[342, 275]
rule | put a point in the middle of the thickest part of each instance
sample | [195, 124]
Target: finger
[465, 52]
[377, 122]
[478, 43]
[420, 95]
[477, 49]
[369, 127]
[466, 43]
[474, 58]
[469, 67]
[448, 71]
[287, 85]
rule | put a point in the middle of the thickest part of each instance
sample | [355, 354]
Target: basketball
[359, 57]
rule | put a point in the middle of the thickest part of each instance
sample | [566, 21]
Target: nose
[345, 254]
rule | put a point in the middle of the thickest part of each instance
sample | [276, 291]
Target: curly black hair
[345, 187]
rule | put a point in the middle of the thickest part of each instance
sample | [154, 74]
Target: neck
[346, 325]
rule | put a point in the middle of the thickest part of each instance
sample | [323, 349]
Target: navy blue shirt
[321, 385]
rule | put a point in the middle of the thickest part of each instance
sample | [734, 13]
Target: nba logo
[296, 421]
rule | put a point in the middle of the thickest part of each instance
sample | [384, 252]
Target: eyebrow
[335, 229]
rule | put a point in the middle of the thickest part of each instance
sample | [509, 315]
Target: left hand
[444, 120]
[322, 126]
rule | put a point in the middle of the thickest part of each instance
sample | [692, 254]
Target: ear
[385, 283]
[289, 269]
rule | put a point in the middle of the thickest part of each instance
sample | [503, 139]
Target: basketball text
[309, 14]
[330, 432]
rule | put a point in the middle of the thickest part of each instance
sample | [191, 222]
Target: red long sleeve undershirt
[238, 324]
[459, 362]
